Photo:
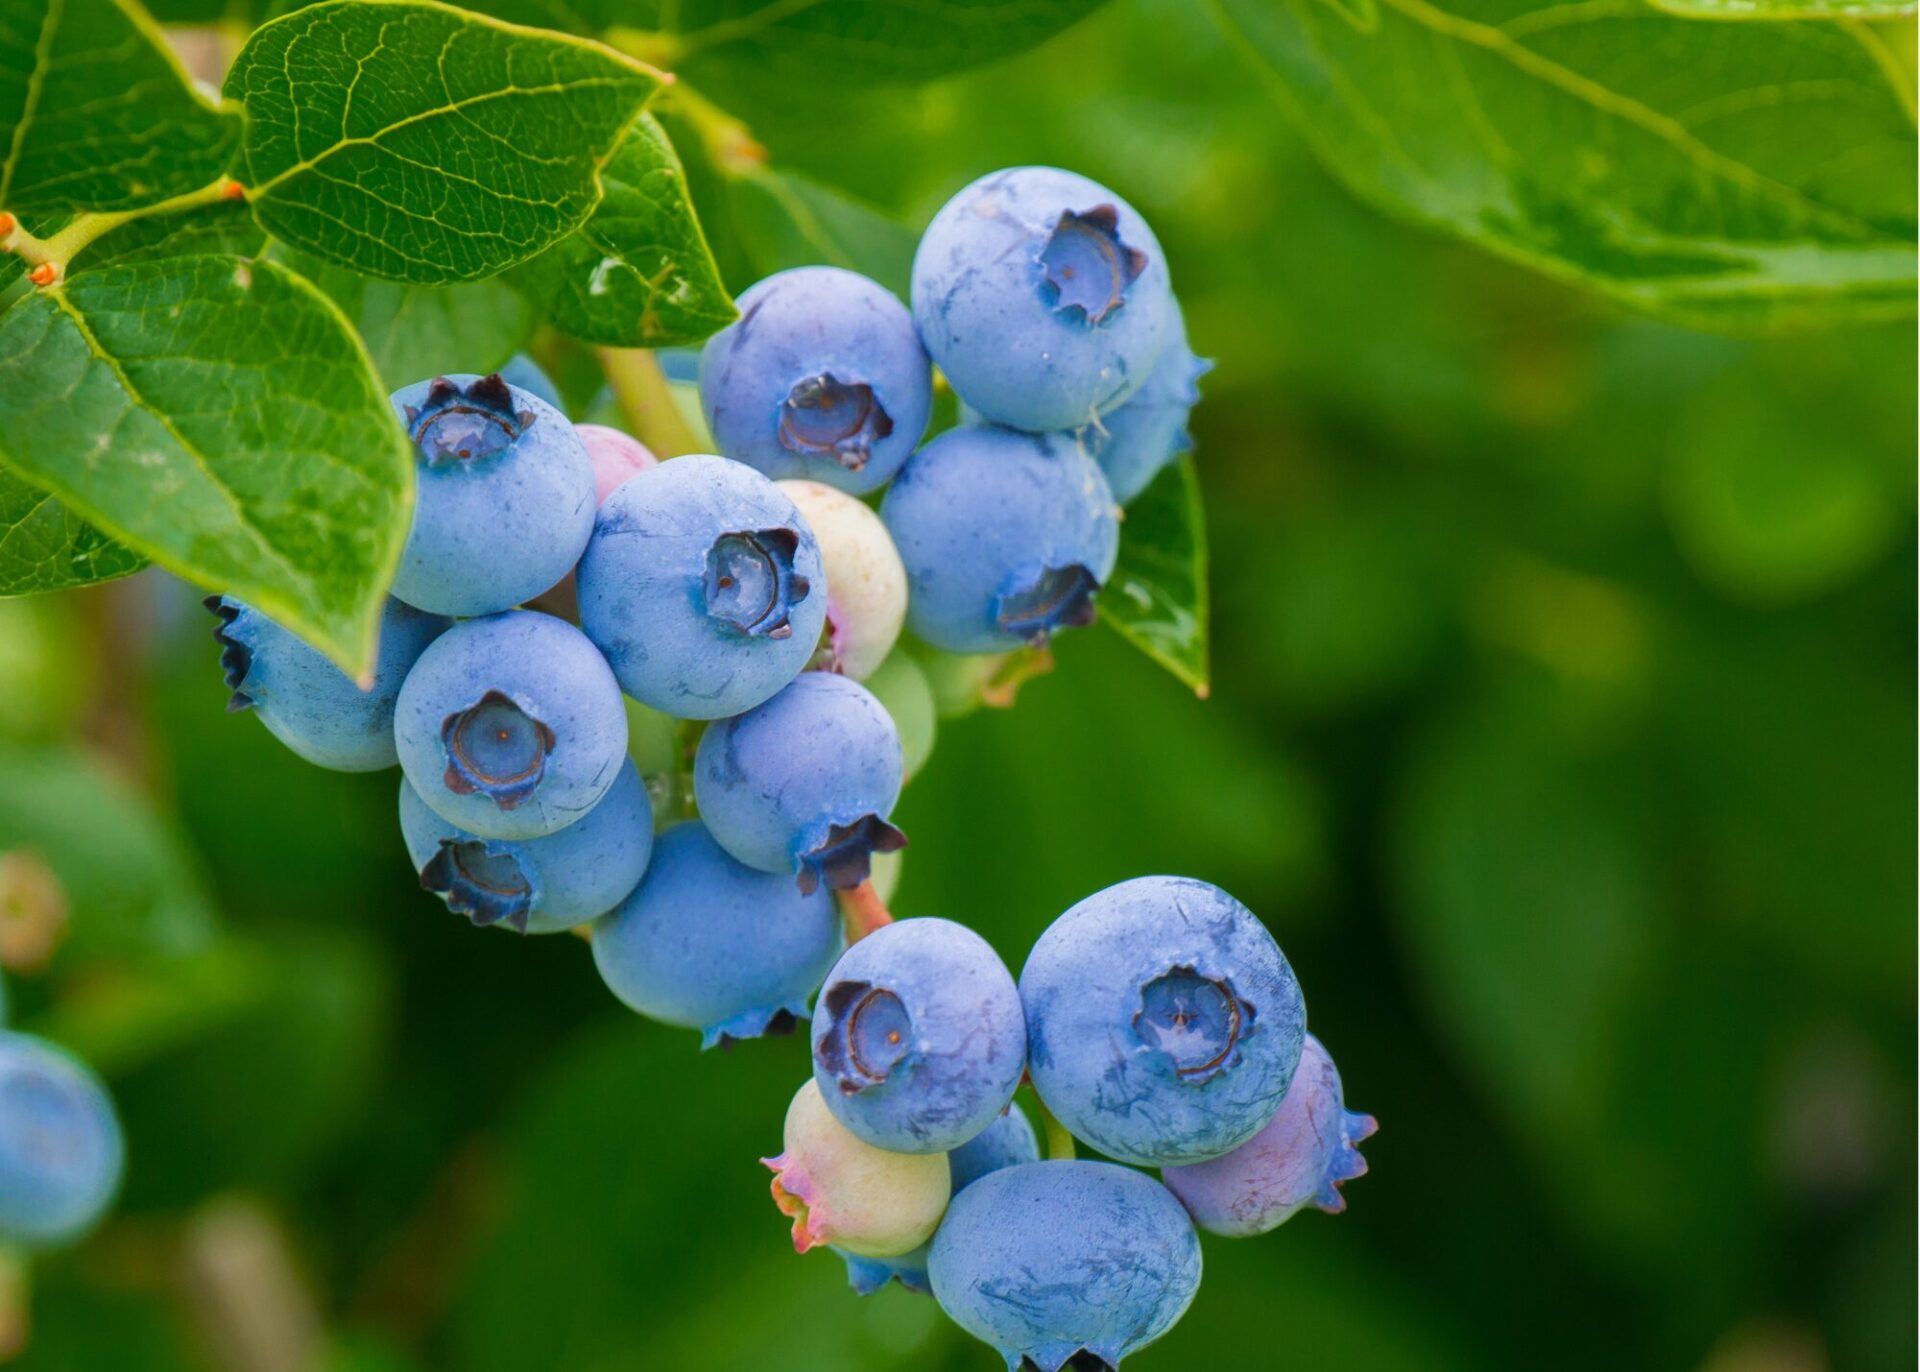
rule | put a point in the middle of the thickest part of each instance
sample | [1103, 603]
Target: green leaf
[217, 415]
[96, 112]
[44, 546]
[639, 273]
[784, 219]
[1755, 176]
[419, 142]
[226, 228]
[1157, 596]
[817, 48]
[413, 332]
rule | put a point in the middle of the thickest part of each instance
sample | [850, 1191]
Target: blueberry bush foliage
[1558, 474]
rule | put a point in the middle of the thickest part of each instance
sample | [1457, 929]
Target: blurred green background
[1562, 730]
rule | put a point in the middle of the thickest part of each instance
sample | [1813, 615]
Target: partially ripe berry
[61, 1150]
[505, 498]
[703, 586]
[308, 703]
[866, 584]
[707, 944]
[535, 885]
[614, 456]
[1042, 296]
[821, 377]
[1065, 1263]
[918, 1036]
[1007, 537]
[1135, 441]
[1164, 1023]
[900, 685]
[841, 1191]
[511, 726]
[803, 784]
[1007, 1142]
[1306, 1150]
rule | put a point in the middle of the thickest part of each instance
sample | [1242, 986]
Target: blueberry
[61, 1150]
[1059, 1263]
[1135, 441]
[866, 585]
[1164, 1023]
[703, 586]
[308, 703]
[505, 501]
[1006, 537]
[918, 1036]
[707, 944]
[1042, 296]
[1306, 1150]
[523, 372]
[535, 885]
[803, 783]
[858, 1198]
[511, 726]
[822, 376]
[614, 457]
[1007, 1142]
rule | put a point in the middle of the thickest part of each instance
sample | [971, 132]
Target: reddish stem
[862, 910]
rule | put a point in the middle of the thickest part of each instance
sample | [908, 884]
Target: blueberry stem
[16, 1287]
[862, 911]
[1059, 1141]
[49, 256]
[1015, 670]
[646, 401]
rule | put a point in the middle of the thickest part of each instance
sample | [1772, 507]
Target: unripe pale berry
[841, 1191]
[866, 583]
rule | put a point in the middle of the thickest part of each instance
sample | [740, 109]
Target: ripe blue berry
[1135, 441]
[523, 372]
[1007, 1142]
[866, 585]
[703, 586]
[822, 377]
[708, 944]
[511, 726]
[1164, 1023]
[1006, 537]
[505, 502]
[308, 703]
[918, 1036]
[849, 1194]
[1306, 1150]
[1061, 1262]
[1042, 296]
[61, 1150]
[535, 885]
[804, 782]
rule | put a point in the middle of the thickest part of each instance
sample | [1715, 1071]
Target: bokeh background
[1562, 730]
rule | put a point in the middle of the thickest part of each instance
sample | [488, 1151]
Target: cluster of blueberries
[745, 599]
[1157, 1022]
[703, 589]
[61, 1150]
